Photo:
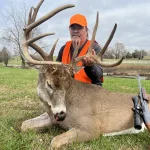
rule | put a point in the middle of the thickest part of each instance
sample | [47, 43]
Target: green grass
[15, 60]
[125, 85]
[19, 101]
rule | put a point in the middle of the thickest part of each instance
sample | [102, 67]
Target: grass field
[19, 101]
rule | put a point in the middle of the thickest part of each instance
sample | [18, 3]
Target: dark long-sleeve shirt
[94, 72]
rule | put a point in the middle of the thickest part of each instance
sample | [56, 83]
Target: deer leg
[73, 135]
[37, 123]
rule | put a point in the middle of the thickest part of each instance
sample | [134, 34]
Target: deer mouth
[60, 116]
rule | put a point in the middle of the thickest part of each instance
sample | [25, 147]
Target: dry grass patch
[130, 69]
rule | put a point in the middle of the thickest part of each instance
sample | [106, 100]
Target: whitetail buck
[84, 110]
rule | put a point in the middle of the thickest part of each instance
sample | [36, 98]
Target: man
[91, 73]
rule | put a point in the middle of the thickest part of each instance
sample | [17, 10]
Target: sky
[132, 18]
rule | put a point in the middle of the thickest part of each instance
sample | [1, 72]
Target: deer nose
[60, 116]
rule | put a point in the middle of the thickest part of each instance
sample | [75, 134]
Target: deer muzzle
[60, 116]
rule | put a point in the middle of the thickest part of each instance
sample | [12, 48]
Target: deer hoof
[55, 144]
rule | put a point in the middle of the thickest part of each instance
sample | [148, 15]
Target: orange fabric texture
[80, 75]
[78, 19]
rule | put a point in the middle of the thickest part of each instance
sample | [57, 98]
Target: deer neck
[76, 90]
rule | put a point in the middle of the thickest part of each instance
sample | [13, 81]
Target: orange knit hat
[78, 19]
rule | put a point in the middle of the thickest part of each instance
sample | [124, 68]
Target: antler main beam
[28, 41]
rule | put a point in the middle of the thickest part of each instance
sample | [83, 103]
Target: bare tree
[14, 20]
[119, 50]
[109, 53]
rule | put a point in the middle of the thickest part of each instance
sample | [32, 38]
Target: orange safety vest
[80, 75]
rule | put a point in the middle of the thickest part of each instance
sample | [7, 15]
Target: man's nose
[75, 32]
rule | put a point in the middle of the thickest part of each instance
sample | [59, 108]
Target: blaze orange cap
[78, 19]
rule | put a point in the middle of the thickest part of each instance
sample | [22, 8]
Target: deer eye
[49, 85]
[61, 75]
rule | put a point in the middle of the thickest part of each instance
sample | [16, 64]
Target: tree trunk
[23, 64]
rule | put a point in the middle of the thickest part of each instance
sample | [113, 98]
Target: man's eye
[73, 28]
[76, 28]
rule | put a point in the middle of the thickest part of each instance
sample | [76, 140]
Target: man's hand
[87, 61]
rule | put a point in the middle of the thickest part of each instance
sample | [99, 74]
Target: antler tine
[32, 24]
[31, 18]
[99, 62]
[36, 11]
[108, 41]
[50, 56]
[37, 38]
[39, 50]
[73, 61]
[29, 58]
[46, 17]
[98, 58]
[94, 34]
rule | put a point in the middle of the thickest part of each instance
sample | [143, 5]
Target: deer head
[55, 77]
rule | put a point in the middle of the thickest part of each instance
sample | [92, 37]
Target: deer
[84, 110]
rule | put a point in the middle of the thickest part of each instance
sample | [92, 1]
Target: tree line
[119, 51]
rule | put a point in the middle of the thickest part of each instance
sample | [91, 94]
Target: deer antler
[98, 57]
[28, 41]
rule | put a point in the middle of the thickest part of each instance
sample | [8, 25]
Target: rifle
[142, 95]
[137, 113]
[138, 102]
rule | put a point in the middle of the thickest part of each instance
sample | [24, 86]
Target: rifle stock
[144, 94]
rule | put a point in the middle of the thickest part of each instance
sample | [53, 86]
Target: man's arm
[59, 57]
[95, 72]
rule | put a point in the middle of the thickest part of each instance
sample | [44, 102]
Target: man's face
[78, 32]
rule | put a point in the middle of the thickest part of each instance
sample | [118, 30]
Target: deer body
[90, 109]
[91, 105]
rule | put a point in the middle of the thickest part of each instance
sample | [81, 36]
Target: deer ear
[38, 67]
